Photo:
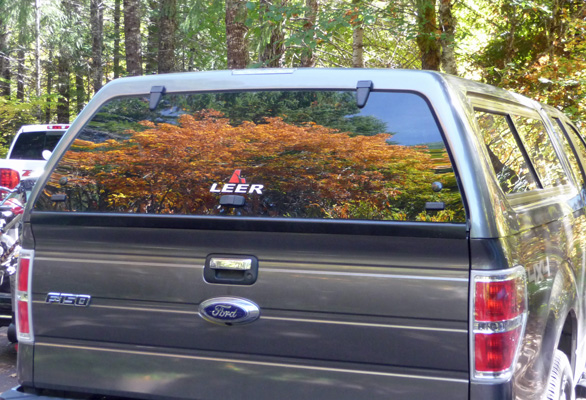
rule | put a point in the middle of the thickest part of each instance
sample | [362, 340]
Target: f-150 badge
[229, 311]
[68, 299]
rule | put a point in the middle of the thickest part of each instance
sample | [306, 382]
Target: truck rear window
[286, 154]
[30, 145]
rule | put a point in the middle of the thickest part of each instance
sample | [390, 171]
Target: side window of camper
[540, 151]
[512, 170]
[572, 151]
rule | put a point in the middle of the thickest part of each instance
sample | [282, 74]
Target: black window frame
[343, 226]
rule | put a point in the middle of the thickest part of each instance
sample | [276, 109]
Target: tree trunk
[132, 37]
[447, 39]
[20, 74]
[49, 70]
[511, 17]
[63, 72]
[168, 26]
[272, 53]
[79, 90]
[6, 77]
[97, 28]
[237, 46]
[357, 37]
[427, 39]
[307, 56]
[38, 48]
[152, 46]
[4, 57]
[116, 50]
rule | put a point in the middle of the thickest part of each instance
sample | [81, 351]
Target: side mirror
[46, 154]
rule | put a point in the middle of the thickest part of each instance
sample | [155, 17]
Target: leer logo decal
[237, 184]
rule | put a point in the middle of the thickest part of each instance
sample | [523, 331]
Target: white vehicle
[29, 151]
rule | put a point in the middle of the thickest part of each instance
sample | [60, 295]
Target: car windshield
[30, 145]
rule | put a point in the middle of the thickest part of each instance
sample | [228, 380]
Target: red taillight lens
[497, 301]
[495, 351]
[9, 178]
[24, 329]
[23, 271]
[498, 321]
[24, 326]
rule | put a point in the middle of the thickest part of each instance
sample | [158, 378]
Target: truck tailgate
[342, 316]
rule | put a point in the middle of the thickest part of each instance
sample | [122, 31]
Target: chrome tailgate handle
[230, 269]
[231, 263]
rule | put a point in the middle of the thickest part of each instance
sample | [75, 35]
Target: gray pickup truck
[315, 234]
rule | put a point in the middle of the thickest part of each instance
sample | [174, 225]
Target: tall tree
[427, 40]
[49, 88]
[38, 48]
[236, 29]
[151, 54]
[116, 50]
[271, 53]
[307, 54]
[79, 89]
[63, 88]
[64, 64]
[4, 54]
[20, 71]
[97, 33]
[357, 35]
[168, 27]
[447, 37]
[132, 38]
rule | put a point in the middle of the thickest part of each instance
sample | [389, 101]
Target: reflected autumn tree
[308, 171]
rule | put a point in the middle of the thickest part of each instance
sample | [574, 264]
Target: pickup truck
[28, 153]
[306, 234]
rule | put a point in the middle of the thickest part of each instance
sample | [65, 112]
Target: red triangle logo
[236, 177]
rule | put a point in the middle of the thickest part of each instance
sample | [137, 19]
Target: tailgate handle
[230, 269]
[230, 263]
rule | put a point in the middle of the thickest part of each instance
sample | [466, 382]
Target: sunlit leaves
[308, 171]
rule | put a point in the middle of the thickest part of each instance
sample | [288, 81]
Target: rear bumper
[143, 372]
[18, 394]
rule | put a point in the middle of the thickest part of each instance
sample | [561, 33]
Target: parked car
[306, 233]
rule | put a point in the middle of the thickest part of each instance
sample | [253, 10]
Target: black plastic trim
[343, 227]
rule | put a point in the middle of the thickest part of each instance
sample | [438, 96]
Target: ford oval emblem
[229, 311]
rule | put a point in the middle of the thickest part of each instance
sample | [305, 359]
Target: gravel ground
[7, 363]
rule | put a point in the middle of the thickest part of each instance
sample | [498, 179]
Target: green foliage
[14, 114]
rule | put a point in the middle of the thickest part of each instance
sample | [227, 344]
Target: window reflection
[512, 171]
[541, 152]
[298, 154]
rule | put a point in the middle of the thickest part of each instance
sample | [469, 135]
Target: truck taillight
[23, 296]
[9, 178]
[499, 307]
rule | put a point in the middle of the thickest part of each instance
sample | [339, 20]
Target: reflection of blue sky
[407, 116]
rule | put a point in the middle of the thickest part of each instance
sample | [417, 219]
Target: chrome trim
[119, 262]
[233, 264]
[370, 325]
[259, 363]
[279, 270]
[498, 327]
[24, 296]
[494, 276]
[302, 320]
[365, 274]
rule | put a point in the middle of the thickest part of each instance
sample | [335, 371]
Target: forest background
[55, 54]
